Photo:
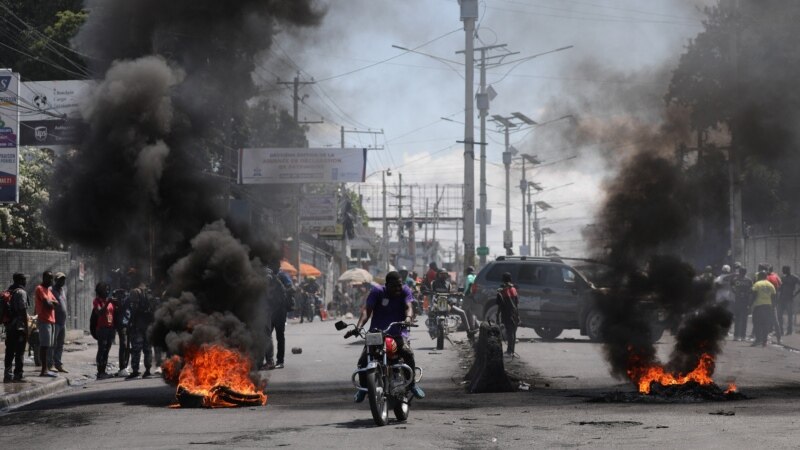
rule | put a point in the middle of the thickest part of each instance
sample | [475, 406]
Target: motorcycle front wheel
[439, 336]
[376, 391]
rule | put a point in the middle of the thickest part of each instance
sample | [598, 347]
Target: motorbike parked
[387, 376]
[441, 321]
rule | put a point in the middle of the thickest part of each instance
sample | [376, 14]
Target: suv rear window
[497, 270]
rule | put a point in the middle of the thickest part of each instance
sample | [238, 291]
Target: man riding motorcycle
[309, 289]
[442, 284]
[389, 303]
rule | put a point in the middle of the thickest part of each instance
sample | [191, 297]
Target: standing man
[507, 311]
[742, 288]
[16, 329]
[786, 297]
[763, 314]
[279, 291]
[103, 314]
[433, 270]
[141, 316]
[59, 291]
[45, 320]
[122, 319]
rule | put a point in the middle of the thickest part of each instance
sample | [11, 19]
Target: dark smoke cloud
[167, 112]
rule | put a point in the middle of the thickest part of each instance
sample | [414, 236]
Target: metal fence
[81, 279]
[779, 251]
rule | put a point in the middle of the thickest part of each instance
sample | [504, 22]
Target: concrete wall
[779, 251]
[81, 279]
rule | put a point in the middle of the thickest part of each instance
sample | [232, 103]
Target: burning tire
[548, 333]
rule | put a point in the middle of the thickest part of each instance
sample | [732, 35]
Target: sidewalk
[78, 359]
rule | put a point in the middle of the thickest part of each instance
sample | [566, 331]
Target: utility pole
[523, 184]
[385, 224]
[508, 123]
[296, 98]
[469, 14]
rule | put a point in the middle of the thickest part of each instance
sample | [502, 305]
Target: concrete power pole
[469, 14]
[385, 226]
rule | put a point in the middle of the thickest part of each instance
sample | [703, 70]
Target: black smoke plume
[152, 179]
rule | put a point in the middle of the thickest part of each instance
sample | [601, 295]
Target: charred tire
[377, 399]
[401, 410]
[489, 315]
[594, 324]
[548, 333]
[439, 336]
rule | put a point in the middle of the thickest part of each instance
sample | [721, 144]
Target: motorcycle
[440, 321]
[387, 376]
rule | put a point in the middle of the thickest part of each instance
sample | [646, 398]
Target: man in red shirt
[46, 319]
[508, 311]
[433, 270]
[103, 310]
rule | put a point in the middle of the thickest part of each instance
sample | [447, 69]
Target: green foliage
[39, 37]
[740, 74]
[22, 225]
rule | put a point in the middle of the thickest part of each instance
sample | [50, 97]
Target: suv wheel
[548, 333]
[594, 322]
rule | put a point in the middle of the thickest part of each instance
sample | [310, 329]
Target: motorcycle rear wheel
[401, 410]
[439, 336]
[376, 391]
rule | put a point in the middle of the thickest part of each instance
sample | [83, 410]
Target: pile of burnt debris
[690, 392]
[219, 396]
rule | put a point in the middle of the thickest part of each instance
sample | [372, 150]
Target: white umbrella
[356, 276]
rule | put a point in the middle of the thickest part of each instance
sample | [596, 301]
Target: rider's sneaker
[417, 391]
[360, 396]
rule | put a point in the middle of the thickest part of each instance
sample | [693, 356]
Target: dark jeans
[763, 319]
[105, 338]
[787, 308]
[511, 336]
[741, 310]
[124, 348]
[279, 326]
[403, 349]
[15, 353]
[139, 344]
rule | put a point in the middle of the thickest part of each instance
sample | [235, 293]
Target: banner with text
[51, 112]
[9, 136]
[302, 165]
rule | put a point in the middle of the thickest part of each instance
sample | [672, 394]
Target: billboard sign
[302, 165]
[318, 212]
[9, 136]
[51, 116]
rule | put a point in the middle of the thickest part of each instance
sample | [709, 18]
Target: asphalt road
[310, 405]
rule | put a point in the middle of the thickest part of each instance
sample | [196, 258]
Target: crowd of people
[769, 298]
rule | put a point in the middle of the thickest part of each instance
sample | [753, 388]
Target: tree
[37, 37]
[739, 76]
[22, 225]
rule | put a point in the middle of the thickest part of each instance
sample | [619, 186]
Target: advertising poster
[9, 136]
[50, 113]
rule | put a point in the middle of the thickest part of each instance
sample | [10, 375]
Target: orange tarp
[306, 270]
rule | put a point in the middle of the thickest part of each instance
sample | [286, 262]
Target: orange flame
[203, 369]
[731, 389]
[643, 376]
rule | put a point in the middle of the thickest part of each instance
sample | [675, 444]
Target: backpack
[93, 322]
[5, 307]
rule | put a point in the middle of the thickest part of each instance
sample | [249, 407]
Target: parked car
[553, 296]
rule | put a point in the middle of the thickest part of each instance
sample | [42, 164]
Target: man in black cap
[16, 314]
[59, 290]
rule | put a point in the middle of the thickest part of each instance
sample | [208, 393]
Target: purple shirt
[386, 310]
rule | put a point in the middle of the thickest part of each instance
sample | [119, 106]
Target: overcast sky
[623, 49]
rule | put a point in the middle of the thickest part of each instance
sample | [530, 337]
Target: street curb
[11, 400]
